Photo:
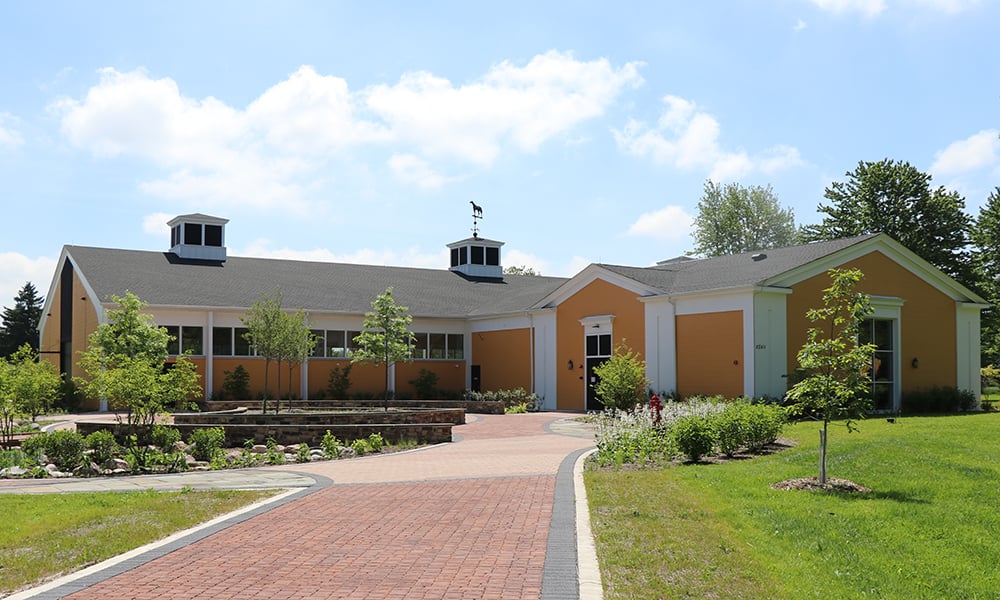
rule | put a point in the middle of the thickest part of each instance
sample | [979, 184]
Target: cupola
[198, 237]
[477, 257]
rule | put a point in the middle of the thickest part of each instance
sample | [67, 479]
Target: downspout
[210, 357]
[531, 349]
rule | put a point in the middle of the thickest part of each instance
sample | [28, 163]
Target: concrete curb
[588, 568]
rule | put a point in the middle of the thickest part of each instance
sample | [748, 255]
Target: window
[319, 350]
[493, 257]
[191, 340]
[192, 234]
[463, 255]
[880, 332]
[175, 235]
[222, 341]
[420, 345]
[436, 345]
[456, 342]
[351, 344]
[241, 346]
[184, 339]
[335, 347]
[477, 255]
[599, 344]
[213, 235]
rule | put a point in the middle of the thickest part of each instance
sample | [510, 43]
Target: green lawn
[47, 535]
[929, 529]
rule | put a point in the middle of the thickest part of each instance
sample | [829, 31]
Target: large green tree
[986, 260]
[126, 363]
[733, 219]
[386, 338]
[20, 323]
[895, 198]
[835, 368]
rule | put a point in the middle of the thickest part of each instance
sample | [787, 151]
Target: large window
[241, 346]
[184, 339]
[438, 346]
[880, 332]
[222, 341]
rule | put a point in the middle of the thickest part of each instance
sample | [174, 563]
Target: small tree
[236, 385]
[836, 368]
[265, 322]
[622, 379]
[297, 345]
[125, 362]
[385, 339]
[35, 383]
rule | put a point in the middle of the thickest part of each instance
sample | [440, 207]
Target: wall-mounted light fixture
[597, 326]
[915, 363]
[569, 364]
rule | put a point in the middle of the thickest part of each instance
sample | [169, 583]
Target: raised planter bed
[469, 406]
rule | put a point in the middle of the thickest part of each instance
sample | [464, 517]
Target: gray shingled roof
[734, 271]
[161, 279]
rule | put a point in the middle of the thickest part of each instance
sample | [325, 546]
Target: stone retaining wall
[455, 416]
[479, 407]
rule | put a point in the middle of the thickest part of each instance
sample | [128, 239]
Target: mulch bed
[812, 483]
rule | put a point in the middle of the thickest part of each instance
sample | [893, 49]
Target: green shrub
[64, 449]
[693, 436]
[302, 454]
[516, 409]
[360, 447]
[762, 424]
[425, 384]
[728, 428]
[339, 382]
[330, 445]
[206, 443]
[236, 385]
[991, 390]
[34, 447]
[272, 456]
[165, 437]
[15, 457]
[375, 442]
[508, 397]
[937, 400]
[622, 379]
[102, 445]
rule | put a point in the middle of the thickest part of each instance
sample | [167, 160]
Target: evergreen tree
[733, 219]
[986, 260]
[895, 198]
[20, 324]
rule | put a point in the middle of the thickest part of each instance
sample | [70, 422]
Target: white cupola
[477, 257]
[198, 237]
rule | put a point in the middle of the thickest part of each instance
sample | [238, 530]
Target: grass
[44, 536]
[930, 528]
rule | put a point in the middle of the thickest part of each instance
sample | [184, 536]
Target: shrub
[728, 428]
[508, 397]
[165, 437]
[339, 382]
[360, 447]
[330, 445]
[34, 447]
[236, 385]
[375, 442]
[762, 424]
[516, 409]
[272, 456]
[15, 457]
[938, 400]
[102, 445]
[206, 443]
[693, 436]
[425, 384]
[621, 379]
[302, 454]
[64, 448]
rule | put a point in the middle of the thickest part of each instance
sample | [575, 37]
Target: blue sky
[360, 131]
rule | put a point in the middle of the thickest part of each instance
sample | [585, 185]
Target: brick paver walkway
[464, 520]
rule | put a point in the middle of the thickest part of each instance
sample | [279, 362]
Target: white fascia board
[65, 256]
[588, 275]
[50, 296]
[891, 249]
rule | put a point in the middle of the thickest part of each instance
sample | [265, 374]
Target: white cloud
[282, 145]
[688, 138]
[867, 8]
[412, 169]
[975, 152]
[9, 136]
[951, 7]
[156, 224]
[517, 258]
[17, 269]
[671, 222]
[799, 25]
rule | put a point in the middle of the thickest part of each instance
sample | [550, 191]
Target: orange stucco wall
[597, 298]
[451, 375]
[927, 319]
[504, 358]
[255, 368]
[370, 379]
[710, 354]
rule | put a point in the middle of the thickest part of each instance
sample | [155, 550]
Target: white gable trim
[589, 275]
[65, 257]
[892, 250]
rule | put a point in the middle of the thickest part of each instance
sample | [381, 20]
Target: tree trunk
[277, 395]
[386, 395]
[822, 455]
[267, 365]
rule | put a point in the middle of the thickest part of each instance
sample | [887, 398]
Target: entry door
[598, 351]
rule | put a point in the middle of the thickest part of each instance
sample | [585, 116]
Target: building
[728, 325]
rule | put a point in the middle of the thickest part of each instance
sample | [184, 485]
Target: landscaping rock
[259, 449]
[87, 469]
[14, 471]
[115, 465]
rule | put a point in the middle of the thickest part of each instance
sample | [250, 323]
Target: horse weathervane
[477, 213]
